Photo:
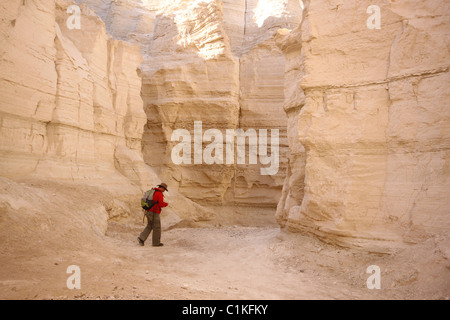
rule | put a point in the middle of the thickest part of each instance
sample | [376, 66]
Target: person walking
[154, 218]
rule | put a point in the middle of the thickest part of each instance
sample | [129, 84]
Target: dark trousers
[153, 224]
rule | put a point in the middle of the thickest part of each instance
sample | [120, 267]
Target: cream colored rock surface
[374, 124]
[69, 97]
[70, 104]
[293, 188]
[207, 61]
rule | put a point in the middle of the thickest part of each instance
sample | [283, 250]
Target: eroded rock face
[190, 76]
[71, 108]
[69, 98]
[215, 62]
[293, 188]
[374, 123]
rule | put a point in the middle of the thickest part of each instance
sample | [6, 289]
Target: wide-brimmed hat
[163, 185]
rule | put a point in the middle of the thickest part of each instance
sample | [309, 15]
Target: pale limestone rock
[207, 61]
[261, 107]
[27, 83]
[374, 125]
[70, 96]
[71, 107]
[293, 188]
[191, 76]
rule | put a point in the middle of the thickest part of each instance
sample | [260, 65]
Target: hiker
[153, 217]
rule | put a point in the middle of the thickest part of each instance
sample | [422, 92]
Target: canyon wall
[370, 123]
[70, 105]
[215, 62]
[70, 99]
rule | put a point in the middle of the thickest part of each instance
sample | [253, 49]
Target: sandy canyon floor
[209, 261]
[212, 263]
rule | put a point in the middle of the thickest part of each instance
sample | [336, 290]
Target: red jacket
[158, 196]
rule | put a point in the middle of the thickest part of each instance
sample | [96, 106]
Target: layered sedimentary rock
[214, 62]
[191, 76]
[293, 188]
[374, 122]
[70, 103]
[69, 97]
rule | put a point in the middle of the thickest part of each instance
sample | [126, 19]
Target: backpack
[147, 200]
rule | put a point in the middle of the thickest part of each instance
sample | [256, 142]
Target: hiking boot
[141, 243]
[158, 245]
